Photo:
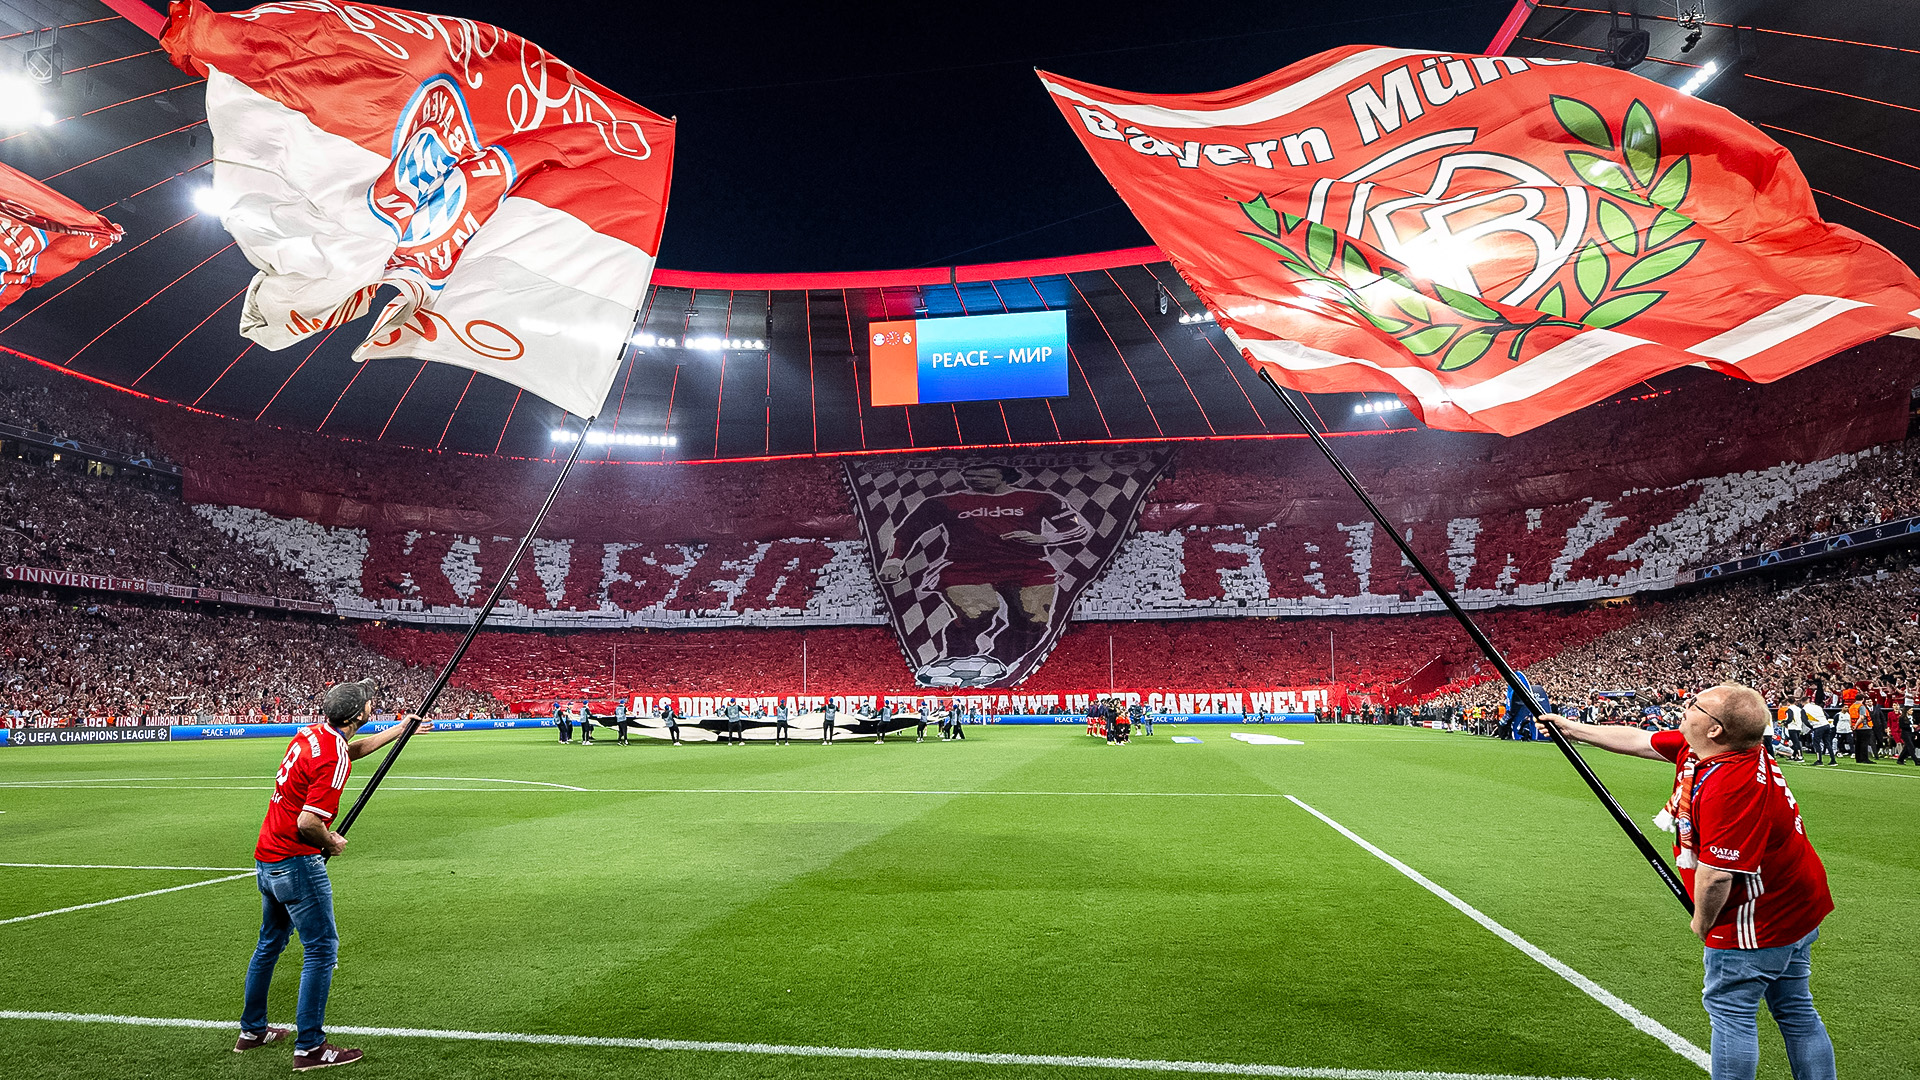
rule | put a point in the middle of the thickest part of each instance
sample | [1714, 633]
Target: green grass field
[1028, 892]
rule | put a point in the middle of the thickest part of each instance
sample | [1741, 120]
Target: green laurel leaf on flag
[1466, 303]
[1271, 244]
[1291, 221]
[1414, 305]
[1554, 303]
[1302, 269]
[1601, 172]
[1387, 323]
[1590, 271]
[1582, 121]
[1618, 228]
[1261, 214]
[1640, 140]
[1667, 225]
[1320, 244]
[1409, 299]
[1427, 342]
[1658, 264]
[1354, 265]
[1671, 188]
[1469, 348]
[1621, 308]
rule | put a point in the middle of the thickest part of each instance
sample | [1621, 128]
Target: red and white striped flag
[514, 203]
[1498, 241]
[43, 234]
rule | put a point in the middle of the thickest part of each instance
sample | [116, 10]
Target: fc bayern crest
[20, 249]
[441, 184]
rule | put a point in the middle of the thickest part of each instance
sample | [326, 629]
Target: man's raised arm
[1620, 740]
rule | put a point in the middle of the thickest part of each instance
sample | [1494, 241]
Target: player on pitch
[997, 536]
[295, 895]
[1759, 889]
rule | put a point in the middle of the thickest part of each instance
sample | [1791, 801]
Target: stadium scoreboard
[970, 358]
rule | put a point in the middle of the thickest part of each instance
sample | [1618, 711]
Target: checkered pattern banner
[980, 559]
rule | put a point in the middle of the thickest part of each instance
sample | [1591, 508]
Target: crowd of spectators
[44, 401]
[61, 662]
[1883, 486]
[1848, 624]
[56, 516]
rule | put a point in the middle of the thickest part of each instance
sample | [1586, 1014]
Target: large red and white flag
[43, 234]
[514, 203]
[1499, 241]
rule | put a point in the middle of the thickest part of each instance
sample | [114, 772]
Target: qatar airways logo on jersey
[441, 184]
[1724, 853]
[20, 248]
[993, 512]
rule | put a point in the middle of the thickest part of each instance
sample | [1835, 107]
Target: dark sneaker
[323, 1056]
[250, 1039]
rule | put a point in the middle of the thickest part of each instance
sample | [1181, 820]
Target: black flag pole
[473, 631]
[1520, 689]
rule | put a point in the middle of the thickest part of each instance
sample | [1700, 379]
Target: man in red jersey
[295, 895]
[1759, 889]
[997, 537]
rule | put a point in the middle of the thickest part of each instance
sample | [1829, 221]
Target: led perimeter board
[972, 358]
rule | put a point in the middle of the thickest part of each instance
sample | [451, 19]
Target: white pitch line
[107, 866]
[123, 899]
[1673, 1040]
[1217, 1068]
[494, 780]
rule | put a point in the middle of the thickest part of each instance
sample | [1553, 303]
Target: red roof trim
[823, 279]
[938, 275]
[1065, 264]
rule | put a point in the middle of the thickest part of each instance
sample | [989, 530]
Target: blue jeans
[1737, 981]
[295, 896]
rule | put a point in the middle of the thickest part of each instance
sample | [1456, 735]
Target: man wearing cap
[295, 894]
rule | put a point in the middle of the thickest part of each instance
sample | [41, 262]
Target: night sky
[815, 137]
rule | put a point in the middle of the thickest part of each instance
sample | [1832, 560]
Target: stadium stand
[65, 661]
[1842, 624]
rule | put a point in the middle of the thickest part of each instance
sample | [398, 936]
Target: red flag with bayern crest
[514, 203]
[1498, 240]
[43, 234]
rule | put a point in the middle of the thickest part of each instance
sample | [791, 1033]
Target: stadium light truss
[613, 438]
[703, 343]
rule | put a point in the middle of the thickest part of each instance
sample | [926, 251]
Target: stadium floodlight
[21, 105]
[209, 201]
[606, 438]
[1700, 78]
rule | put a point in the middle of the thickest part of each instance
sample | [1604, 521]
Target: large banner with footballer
[980, 560]
[1498, 241]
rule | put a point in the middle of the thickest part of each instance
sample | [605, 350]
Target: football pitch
[1376, 904]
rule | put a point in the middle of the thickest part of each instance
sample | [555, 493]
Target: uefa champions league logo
[441, 182]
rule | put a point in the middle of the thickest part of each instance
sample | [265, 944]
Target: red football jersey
[1746, 821]
[310, 778]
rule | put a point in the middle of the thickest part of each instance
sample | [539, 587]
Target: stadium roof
[158, 312]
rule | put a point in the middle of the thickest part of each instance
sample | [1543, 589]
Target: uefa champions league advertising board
[980, 559]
